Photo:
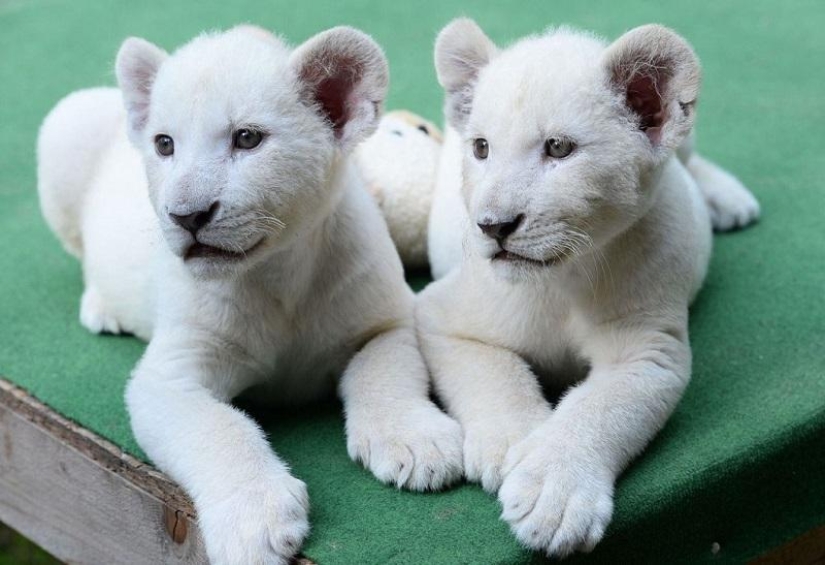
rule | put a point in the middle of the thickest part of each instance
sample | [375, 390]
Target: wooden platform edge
[83, 499]
[107, 454]
[807, 549]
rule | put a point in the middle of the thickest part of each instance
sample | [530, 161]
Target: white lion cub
[587, 239]
[277, 267]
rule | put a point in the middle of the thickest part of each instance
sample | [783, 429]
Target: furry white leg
[493, 394]
[393, 427]
[93, 314]
[730, 203]
[250, 509]
[558, 489]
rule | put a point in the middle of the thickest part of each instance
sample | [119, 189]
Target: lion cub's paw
[265, 523]
[732, 207]
[554, 503]
[418, 449]
[93, 314]
[486, 445]
[730, 203]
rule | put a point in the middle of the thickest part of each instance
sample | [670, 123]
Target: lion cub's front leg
[558, 491]
[493, 394]
[393, 427]
[250, 508]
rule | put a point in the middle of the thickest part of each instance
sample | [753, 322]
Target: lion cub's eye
[558, 148]
[247, 138]
[164, 145]
[481, 148]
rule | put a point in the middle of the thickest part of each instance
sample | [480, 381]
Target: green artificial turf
[741, 462]
[17, 550]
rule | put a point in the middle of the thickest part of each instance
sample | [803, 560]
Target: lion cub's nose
[196, 220]
[501, 230]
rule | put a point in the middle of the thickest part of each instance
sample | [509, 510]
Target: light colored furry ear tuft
[461, 51]
[345, 73]
[659, 75]
[136, 67]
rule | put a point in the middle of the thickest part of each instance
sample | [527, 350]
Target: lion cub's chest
[281, 342]
[548, 334]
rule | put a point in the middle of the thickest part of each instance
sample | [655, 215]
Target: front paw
[554, 502]
[416, 448]
[263, 524]
[486, 444]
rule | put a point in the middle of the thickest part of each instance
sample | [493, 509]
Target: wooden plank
[81, 498]
[807, 549]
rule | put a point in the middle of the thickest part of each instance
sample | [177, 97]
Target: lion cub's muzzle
[500, 230]
[504, 247]
[194, 221]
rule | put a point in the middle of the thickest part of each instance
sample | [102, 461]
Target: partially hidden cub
[219, 216]
[571, 239]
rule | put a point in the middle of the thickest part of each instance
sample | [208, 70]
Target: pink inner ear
[644, 98]
[333, 80]
[332, 93]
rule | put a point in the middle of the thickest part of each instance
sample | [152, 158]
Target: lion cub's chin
[514, 267]
[205, 261]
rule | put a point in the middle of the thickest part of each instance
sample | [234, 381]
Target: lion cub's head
[240, 136]
[562, 134]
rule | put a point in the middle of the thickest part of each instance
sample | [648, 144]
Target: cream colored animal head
[241, 136]
[562, 134]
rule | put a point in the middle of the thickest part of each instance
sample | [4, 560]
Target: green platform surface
[741, 463]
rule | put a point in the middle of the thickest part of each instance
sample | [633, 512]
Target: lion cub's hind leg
[731, 205]
[729, 202]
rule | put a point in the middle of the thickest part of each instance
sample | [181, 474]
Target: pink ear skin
[659, 75]
[644, 99]
[346, 74]
[332, 92]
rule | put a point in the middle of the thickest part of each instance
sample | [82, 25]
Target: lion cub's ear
[658, 74]
[461, 51]
[344, 72]
[136, 67]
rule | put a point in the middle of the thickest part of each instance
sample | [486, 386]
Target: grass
[17, 550]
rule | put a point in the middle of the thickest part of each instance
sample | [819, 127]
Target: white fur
[731, 205]
[618, 238]
[323, 286]
[448, 222]
[398, 163]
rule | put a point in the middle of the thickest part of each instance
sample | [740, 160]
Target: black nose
[500, 231]
[196, 220]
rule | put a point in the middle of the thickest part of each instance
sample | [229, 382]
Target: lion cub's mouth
[509, 256]
[200, 250]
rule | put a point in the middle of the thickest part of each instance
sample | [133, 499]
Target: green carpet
[741, 462]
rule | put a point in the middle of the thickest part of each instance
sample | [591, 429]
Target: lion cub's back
[73, 138]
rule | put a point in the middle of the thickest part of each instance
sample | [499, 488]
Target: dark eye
[558, 148]
[423, 128]
[164, 145]
[247, 138]
[481, 148]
